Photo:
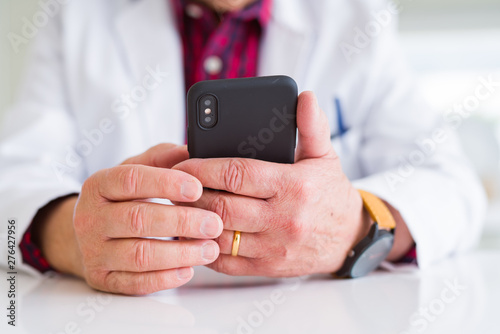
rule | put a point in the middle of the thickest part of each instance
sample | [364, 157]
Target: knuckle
[129, 177]
[234, 175]
[82, 221]
[296, 229]
[142, 253]
[282, 258]
[220, 205]
[305, 190]
[92, 185]
[183, 227]
[90, 190]
[87, 206]
[139, 215]
[114, 282]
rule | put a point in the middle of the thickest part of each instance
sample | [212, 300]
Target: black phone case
[256, 119]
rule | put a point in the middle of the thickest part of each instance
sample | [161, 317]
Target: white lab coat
[72, 119]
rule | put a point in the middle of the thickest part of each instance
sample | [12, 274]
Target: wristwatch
[369, 253]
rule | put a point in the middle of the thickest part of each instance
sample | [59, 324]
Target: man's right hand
[105, 243]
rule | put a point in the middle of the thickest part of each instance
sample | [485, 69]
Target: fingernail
[209, 252]
[209, 227]
[184, 273]
[189, 189]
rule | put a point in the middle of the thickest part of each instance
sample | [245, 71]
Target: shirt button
[194, 11]
[213, 65]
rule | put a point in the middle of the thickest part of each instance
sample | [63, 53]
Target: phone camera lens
[208, 111]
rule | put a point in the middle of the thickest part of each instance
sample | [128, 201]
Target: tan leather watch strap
[378, 210]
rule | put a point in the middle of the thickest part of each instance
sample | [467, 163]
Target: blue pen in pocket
[340, 125]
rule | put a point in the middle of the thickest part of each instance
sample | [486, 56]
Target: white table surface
[383, 302]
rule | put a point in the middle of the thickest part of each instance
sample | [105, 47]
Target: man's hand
[295, 219]
[106, 238]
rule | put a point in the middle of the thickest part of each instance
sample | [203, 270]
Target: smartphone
[244, 118]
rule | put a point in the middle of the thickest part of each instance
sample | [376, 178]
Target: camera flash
[208, 111]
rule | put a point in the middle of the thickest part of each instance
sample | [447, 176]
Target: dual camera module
[208, 111]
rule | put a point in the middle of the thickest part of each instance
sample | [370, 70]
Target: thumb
[162, 155]
[314, 130]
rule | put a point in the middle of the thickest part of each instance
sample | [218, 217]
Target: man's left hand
[294, 219]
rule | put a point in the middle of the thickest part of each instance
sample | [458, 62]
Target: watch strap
[378, 210]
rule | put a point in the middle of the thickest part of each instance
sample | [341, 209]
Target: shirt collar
[259, 10]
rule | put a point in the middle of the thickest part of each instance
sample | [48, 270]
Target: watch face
[372, 256]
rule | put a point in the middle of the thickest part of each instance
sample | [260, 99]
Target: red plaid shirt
[215, 46]
[220, 46]
[31, 253]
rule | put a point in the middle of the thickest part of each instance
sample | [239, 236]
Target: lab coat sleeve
[412, 159]
[38, 132]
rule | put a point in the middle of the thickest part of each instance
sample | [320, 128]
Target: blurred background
[449, 43]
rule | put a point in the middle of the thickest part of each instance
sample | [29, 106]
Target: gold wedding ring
[236, 243]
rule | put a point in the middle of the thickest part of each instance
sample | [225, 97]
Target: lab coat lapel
[145, 30]
[287, 42]
[151, 43]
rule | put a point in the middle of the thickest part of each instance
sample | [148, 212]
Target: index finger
[132, 182]
[247, 177]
